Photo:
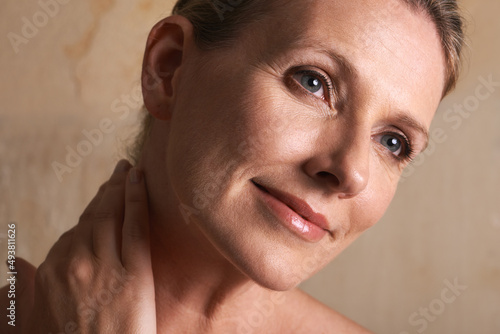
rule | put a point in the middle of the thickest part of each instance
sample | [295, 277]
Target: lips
[296, 213]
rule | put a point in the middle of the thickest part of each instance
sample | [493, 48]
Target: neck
[197, 289]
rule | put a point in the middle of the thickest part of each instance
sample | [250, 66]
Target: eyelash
[408, 155]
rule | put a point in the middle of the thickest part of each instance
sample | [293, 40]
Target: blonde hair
[217, 23]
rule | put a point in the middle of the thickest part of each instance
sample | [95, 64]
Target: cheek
[278, 130]
[206, 140]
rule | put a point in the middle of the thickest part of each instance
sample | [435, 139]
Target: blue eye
[398, 144]
[393, 144]
[312, 83]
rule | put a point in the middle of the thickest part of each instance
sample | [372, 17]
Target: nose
[342, 167]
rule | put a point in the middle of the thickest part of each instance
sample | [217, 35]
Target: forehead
[393, 51]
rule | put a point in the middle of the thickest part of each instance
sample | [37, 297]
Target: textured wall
[75, 71]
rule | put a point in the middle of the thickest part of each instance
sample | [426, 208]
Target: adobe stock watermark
[121, 108]
[424, 316]
[93, 138]
[454, 118]
[31, 26]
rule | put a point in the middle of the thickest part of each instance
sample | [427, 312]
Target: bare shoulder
[305, 314]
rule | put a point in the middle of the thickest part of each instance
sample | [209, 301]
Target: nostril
[329, 178]
[323, 174]
[345, 173]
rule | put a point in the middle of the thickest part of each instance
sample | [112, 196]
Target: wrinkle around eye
[277, 76]
[391, 165]
[308, 99]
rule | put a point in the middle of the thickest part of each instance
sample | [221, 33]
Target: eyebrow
[330, 52]
[344, 63]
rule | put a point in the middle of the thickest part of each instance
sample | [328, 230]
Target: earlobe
[163, 57]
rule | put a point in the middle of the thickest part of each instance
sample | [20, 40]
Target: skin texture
[250, 121]
[229, 117]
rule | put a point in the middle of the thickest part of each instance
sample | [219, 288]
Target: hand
[97, 278]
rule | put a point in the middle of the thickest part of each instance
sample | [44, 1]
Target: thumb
[135, 235]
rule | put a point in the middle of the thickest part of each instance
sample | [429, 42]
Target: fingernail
[121, 166]
[134, 175]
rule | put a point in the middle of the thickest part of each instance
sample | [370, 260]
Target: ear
[165, 50]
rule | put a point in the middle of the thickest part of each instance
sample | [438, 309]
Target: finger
[106, 233]
[136, 255]
[83, 220]
[62, 246]
[92, 207]
[97, 214]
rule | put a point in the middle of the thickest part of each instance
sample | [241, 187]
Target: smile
[295, 214]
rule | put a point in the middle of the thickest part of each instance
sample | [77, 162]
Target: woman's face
[289, 144]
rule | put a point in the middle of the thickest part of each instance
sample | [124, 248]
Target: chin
[271, 263]
[272, 275]
[280, 282]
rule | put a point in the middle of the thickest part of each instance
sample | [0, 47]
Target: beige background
[444, 224]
